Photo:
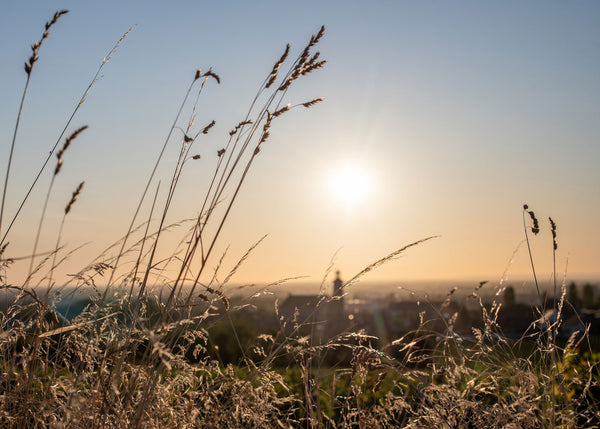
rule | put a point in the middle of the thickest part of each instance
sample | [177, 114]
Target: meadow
[142, 356]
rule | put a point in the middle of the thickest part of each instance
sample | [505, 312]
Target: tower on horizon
[336, 314]
[338, 285]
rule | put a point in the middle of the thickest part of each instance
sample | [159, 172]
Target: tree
[587, 296]
[572, 296]
[545, 302]
[509, 296]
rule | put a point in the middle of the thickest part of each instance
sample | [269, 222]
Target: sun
[350, 184]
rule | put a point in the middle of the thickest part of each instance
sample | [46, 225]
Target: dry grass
[143, 357]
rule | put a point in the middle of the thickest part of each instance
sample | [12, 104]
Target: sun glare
[351, 184]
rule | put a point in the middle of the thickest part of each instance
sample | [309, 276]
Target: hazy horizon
[402, 290]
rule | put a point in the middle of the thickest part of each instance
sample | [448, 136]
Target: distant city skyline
[438, 119]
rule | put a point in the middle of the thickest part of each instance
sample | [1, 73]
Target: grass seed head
[65, 146]
[37, 45]
[208, 127]
[274, 72]
[268, 121]
[536, 225]
[225, 302]
[73, 198]
[238, 126]
[57, 15]
[481, 284]
[264, 138]
[3, 248]
[312, 102]
[553, 228]
[281, 111]
[265, 134]
[311, 67]
[210, 73]
[319, 35]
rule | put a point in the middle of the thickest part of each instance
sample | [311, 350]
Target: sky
[439, 119]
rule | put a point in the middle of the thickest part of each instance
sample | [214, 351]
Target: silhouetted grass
[189, 355]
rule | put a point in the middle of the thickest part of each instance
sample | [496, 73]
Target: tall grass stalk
[149, 181]
[68, 207]
[28, 69]
[56, 171]
[96, 77]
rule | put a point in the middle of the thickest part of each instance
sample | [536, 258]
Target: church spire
[338, 285]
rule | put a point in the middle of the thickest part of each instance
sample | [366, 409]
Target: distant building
[403, 316]
[321, 316]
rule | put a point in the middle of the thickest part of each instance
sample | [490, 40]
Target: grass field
[142, 357]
